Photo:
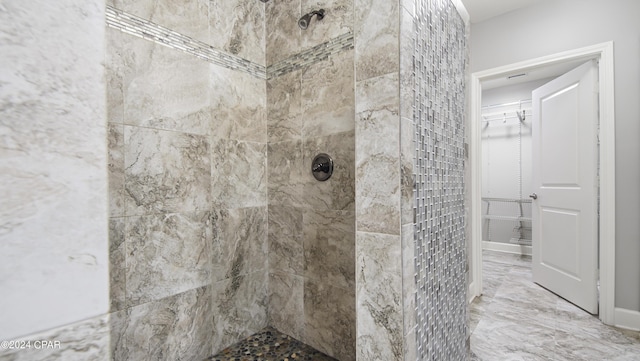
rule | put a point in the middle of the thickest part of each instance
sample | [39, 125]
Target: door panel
[561, 249]
[560, 127]
[564, 216]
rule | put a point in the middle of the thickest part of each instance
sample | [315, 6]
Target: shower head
[304, 21]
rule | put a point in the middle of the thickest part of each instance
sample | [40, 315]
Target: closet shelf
[513, 200]
[506, 218]
[521, 232]
[520, 241]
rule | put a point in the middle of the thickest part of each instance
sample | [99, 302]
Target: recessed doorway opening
[553, 65]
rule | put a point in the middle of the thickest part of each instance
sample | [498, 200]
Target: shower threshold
[270, 345]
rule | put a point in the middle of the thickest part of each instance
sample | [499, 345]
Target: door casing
[604, 53]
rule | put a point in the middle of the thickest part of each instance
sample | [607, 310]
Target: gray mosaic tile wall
[440, 252]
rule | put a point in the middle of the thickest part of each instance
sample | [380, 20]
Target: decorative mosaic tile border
[148, 30]
[311, 56]
[145, 29]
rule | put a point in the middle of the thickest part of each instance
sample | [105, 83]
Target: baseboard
[627, 319]
[507, 248]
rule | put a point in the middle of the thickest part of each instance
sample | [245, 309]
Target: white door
[564, 213]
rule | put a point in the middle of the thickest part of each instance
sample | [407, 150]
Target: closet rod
[490, 115]
[522, 116]
[501, 120]
[507, 104]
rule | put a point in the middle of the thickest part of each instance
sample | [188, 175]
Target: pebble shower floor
[270, 345]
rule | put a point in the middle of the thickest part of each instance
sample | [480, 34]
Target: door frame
[603, 52]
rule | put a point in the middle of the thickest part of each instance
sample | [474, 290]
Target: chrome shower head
[304, 21]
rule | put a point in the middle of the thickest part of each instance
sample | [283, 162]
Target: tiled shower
[217, 229]
[216, 110]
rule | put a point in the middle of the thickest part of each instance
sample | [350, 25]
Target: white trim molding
[462, 10]
[607, 236]
[627, 319]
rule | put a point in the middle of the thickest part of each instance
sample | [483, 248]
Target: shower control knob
[322, 167]
[533, 196]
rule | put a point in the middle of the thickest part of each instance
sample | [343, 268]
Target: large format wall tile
[285, 170]
[378, 155]
[286, 303]
[165, 88]
[338, 192]
[166, 171]
[379, 297]
[174, 328]
[311, 111]
[239, 308]
[115, 70]
[115, 149]
[285, 239]
[117, 270]
[376, 38]
[407, 76]
[328, 96]
[329, 247]
[284, 107]
[238, 174]
[330, 319]
[407, 177]
[238, 105]
[237, 27]
[283, 33]
[166, 254]
[188, 150]
[239, 242]
[188, 17]
[117, 327]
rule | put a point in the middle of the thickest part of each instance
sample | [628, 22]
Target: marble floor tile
[516, 319]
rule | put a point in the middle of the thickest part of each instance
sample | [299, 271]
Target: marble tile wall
[283, 36]
[387, 102]
[310, 110]
[379, 282]
[53, 182]
[188, 181]
[173, 328]
[311, 223]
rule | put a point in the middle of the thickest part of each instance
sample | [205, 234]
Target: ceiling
[480, 10]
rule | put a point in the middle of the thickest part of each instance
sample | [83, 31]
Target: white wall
[554, 26]
[53, 167]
